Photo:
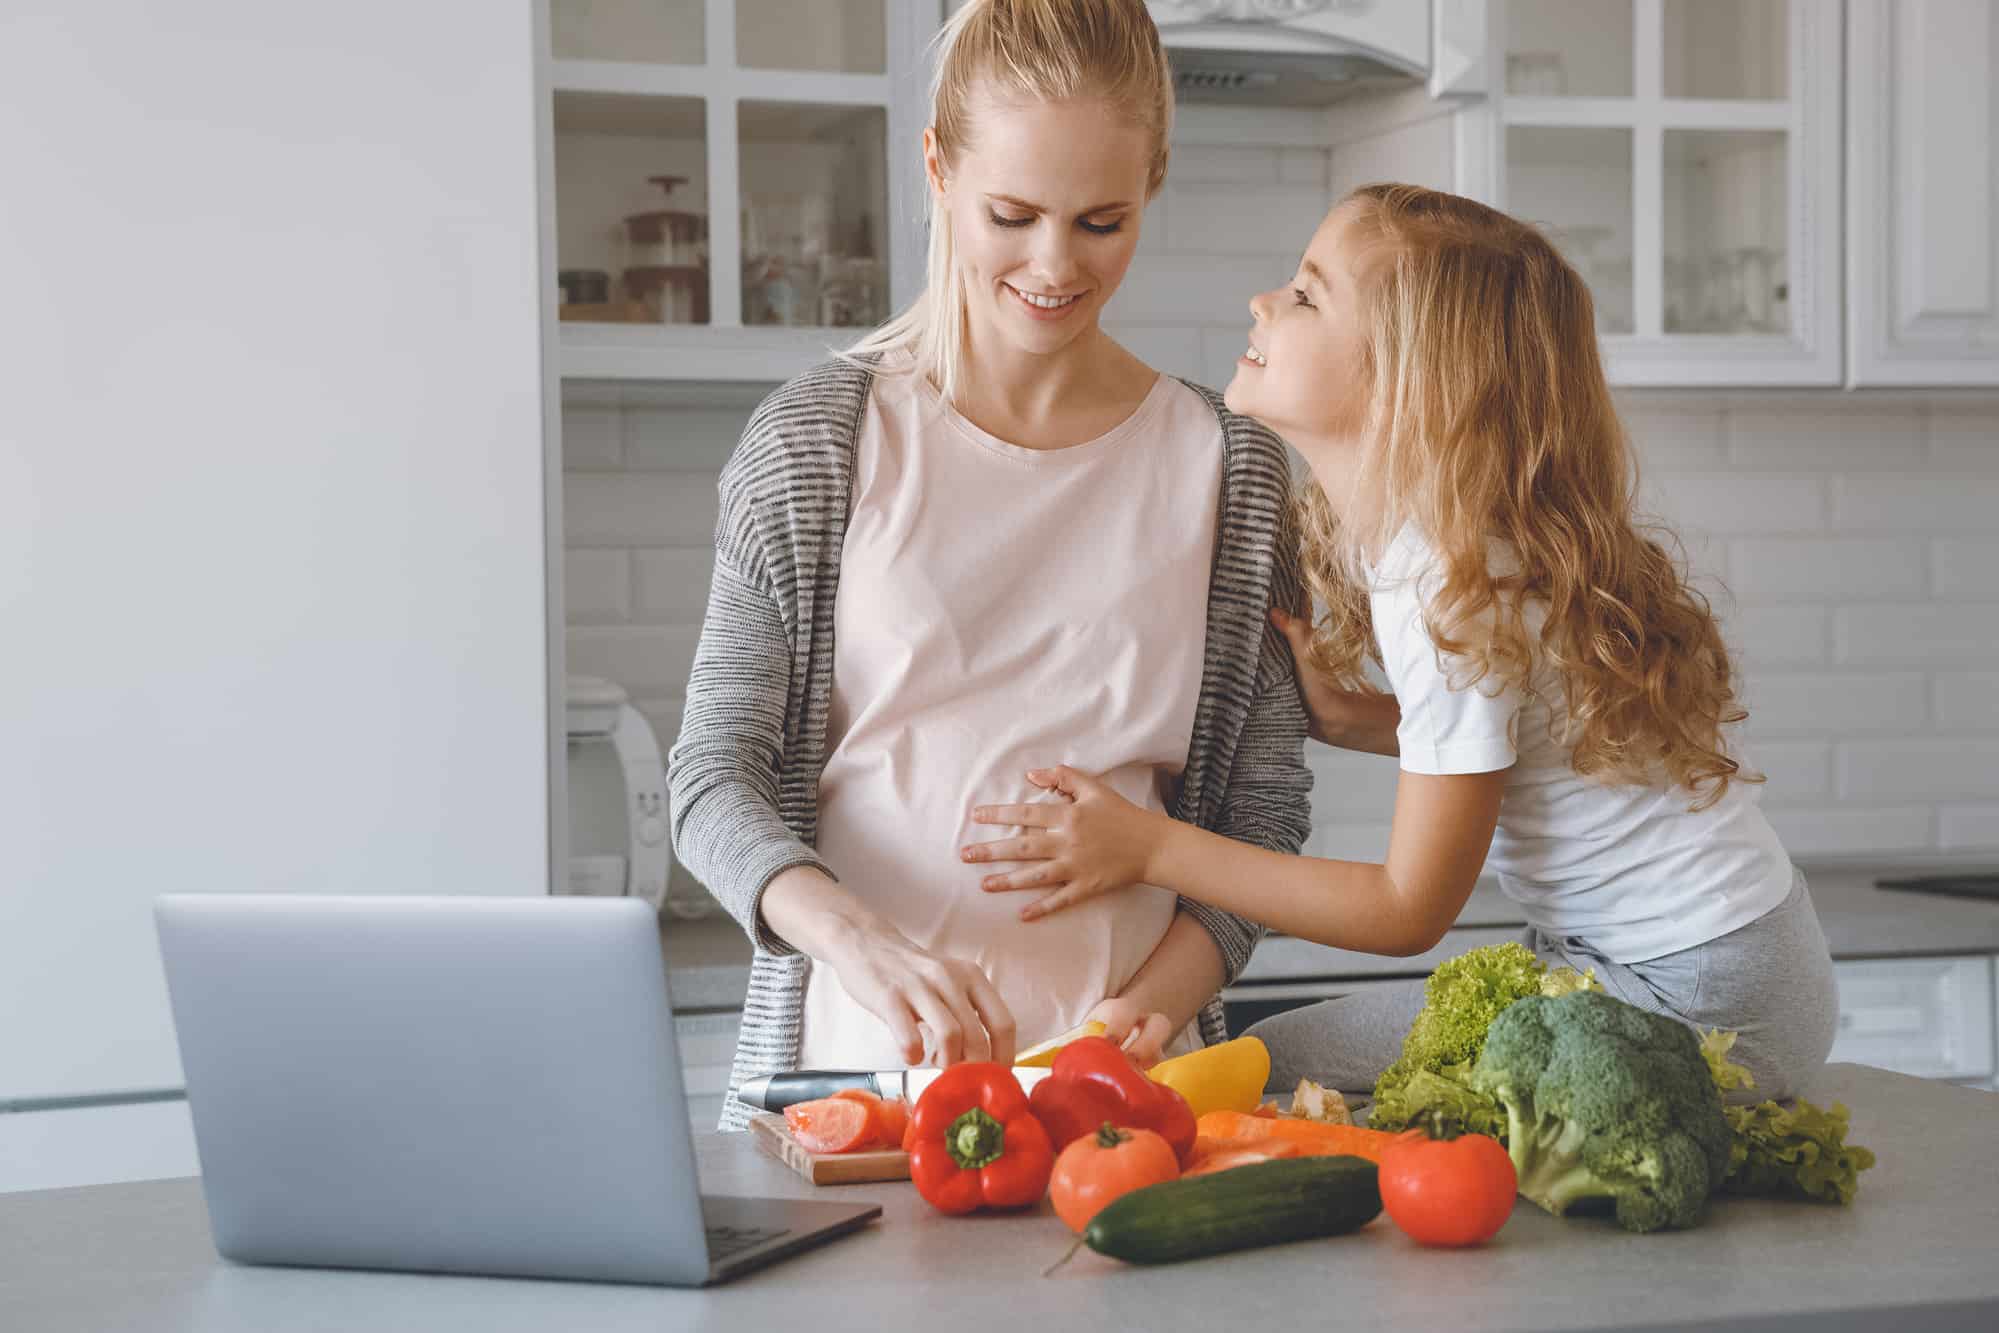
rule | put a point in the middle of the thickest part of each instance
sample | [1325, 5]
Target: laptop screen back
[482, 1085]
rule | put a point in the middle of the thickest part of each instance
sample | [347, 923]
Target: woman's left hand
[1091, 843]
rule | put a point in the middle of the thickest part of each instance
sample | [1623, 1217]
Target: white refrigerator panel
[271, 484]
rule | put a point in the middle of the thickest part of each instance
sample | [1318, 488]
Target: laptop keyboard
[726, 1241]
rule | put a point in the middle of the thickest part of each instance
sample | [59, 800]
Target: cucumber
[1264, 1204]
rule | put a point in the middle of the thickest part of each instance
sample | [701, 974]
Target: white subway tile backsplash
[1349, 786]
[637, 508]
[1748, 506]
[1918, 634]
[1852, 831]
[1969, 828]
[596, 586]
[1770, 636]
[1967, 569]
[1967, 701]
[1227, 164]
[1833, 438]
[1305, 166]
[1794, 772]
[1927, 768]
[1220, 349]
[1243, 220]
[1964, 440]
[682, 439]
[1670, 440]
[1788, 703]
[591, 437]
[1826, 570]
[672, 586]
[1922, 504]
[650, 661]
[1191, 289]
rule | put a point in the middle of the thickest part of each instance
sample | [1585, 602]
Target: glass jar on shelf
[666, 259]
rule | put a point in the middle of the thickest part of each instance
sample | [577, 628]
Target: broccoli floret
[1461, 999]
[1606, 1102]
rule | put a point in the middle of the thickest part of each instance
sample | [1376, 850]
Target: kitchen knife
[774, 1092]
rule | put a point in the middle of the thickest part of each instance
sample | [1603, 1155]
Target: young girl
[1562, 700]
[922, 544]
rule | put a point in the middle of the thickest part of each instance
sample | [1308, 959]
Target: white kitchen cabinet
[737, 182]
[1931, 1017]
[1922, 126]
[1685, 154]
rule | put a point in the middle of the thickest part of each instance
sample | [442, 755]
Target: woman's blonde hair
[1489, 422]
[1025, 51]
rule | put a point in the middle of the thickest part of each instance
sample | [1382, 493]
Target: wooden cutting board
[847, 1168]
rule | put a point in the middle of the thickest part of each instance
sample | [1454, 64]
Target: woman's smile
[1045, 305]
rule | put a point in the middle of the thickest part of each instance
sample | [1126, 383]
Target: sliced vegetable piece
[831, 1124]
[1043, 1056]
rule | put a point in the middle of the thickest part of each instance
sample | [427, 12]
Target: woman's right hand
[936, 1008]
[939, 1008]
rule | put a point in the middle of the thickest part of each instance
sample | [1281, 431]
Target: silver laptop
[457, 1085]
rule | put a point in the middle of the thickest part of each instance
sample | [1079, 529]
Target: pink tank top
[1002, 608]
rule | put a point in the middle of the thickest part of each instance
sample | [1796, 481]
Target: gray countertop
[1915, 1251]
[708, 959]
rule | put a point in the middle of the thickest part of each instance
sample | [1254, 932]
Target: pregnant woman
[981, 535]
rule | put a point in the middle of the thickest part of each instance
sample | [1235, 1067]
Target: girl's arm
[1098, 841]
[1345, 719]
[1167, 993]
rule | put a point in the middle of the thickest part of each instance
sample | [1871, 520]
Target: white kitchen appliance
[1299, 52]
[619, 840]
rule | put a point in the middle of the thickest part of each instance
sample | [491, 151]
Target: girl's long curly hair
[1489, 423]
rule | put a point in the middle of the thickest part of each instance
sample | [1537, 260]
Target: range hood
[1299, 53]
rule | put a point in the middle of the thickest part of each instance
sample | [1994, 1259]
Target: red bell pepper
[974, 1143]
[1095, 1083]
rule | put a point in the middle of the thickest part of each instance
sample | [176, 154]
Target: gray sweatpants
[1771, 981]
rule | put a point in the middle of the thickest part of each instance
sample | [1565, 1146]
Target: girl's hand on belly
[1094, 842]
[1142, 1033]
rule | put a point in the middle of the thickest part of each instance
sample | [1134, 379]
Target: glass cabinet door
[1684, 155]
[724, 165]
[631, 208]
[815, 203]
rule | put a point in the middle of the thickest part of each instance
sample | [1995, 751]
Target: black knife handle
[807, 1085]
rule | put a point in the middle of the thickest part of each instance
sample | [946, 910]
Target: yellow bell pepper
[1043, 1056]
[1228, 1077]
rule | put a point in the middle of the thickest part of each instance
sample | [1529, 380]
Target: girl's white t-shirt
[1003, 608]
[1627, 868]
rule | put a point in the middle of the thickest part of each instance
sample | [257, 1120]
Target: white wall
[271, 494]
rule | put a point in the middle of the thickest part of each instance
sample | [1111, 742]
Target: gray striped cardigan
[745, 769]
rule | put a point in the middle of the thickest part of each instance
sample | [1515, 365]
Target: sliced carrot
[1246, 1155]
[832, 1124]
[1315, 1137]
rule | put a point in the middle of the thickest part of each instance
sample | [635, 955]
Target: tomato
[1107, 1165]
[891, 1117]
[1448, 1191]
[832, 1125]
